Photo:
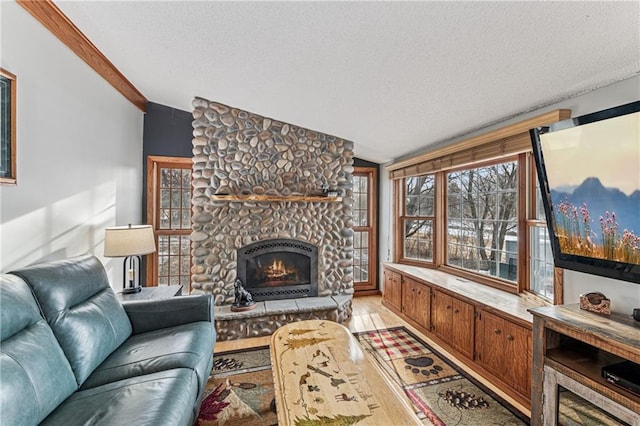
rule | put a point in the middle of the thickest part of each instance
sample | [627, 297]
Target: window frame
[400, 218]
[11, 179]
[532, 221]
[372, 220]
[489, 280]
[154, 165]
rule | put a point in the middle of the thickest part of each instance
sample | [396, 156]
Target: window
[483, 208]
[365, 206]
[417, 221]
[543, 277]
[7, 127]
[169, 210]
[492, 228]
[482, 220]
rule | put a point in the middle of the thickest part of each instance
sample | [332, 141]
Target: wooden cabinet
[453, 322]
[496, 346]
[392, 292]
[416, 302]
[502, 343]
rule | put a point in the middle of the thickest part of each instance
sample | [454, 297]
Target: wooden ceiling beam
[57, 22]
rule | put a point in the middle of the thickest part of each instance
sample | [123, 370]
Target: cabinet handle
[496, 330]
[455, 311]
[448, 307]
[509, 337]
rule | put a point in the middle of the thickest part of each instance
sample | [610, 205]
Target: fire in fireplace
[279, 269]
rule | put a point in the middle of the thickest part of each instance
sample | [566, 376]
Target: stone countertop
[511, 304]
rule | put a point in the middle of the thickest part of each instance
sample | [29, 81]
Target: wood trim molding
[501, 133]
[57, 22]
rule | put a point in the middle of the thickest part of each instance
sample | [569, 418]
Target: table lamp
[132, 242]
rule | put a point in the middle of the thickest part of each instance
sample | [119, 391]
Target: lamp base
[131, 290]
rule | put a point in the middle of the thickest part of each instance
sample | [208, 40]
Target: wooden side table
[152, 293]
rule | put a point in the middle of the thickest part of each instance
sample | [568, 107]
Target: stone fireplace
[279, 269]
[258, 188]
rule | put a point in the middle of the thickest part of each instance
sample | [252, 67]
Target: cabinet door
[462, 327]
[516, 353]
[417, 302]
[393, 289]
[423, 305]
[442, 311]
[408, 297]
[505, 351]
[491, 353]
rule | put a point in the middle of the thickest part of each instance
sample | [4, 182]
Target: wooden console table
[570, 346]
[320, 372]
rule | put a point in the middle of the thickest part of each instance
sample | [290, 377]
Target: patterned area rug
[441, 392]
[240, 390]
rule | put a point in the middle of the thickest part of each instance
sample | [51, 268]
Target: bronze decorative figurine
[243, 300]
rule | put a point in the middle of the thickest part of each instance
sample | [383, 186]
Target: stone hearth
[268, 316]
[274, 173]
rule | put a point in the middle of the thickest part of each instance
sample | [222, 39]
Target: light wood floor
[369, 314]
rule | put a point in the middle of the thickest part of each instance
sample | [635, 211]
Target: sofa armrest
[148, 315]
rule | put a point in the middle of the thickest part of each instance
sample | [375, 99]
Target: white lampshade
[121, 241]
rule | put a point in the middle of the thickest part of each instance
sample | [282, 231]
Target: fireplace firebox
[279, 269]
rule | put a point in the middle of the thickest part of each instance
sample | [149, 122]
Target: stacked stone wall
[236, 152]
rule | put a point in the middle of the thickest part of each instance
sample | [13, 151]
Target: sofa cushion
[81, 308]
[35, 374]
[164, 398]
[188, 346]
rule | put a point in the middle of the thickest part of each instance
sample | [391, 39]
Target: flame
[277, 269]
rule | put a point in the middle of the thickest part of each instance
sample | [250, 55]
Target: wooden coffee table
[320, 372]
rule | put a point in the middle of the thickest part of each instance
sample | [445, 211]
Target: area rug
[441, 392]
[240, 390]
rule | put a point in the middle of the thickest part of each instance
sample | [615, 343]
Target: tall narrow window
[417, 220]
[365, 202]
[169, 209]
[7, 127]
[543, 276]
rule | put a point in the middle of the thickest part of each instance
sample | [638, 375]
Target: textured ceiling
[392, 77]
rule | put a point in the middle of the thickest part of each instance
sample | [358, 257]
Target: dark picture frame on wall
[7, 127]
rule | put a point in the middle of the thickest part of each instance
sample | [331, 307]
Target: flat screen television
[589, 173]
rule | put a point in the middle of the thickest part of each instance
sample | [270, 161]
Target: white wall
[79, 152]
[624, 296]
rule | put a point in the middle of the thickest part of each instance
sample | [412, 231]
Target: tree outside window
[482, 220]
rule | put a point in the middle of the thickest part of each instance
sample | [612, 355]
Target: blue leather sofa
[72, 354]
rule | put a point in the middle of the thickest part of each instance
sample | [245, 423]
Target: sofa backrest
[35, 376]
[81, 308]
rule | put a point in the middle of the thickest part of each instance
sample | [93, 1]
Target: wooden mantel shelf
[277, 198]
